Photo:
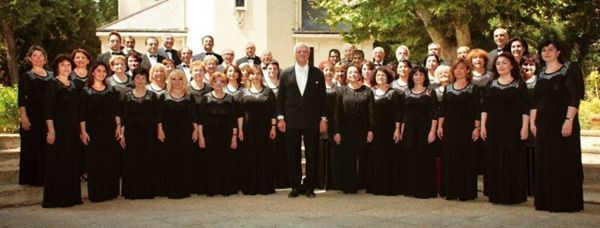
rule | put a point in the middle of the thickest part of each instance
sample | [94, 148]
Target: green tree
[58, 26]
[108, 11]
[455, 23]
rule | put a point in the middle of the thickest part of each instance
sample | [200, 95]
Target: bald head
[501, 37]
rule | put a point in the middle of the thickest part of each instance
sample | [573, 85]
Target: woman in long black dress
[458, 128]
[32, 87]
[419, 125]
[384, 149]
[178, 131]
[354, 129]
[120, 81]
[280, 169]
[62, 187]
[139, 139]
[218, 135]
[326, 145]
[257, 107]
[528, 71]
[504, 127]
[235, 88]
[554, 122]
[100, 130]
[198, 88]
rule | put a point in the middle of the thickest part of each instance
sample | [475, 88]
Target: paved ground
[329, 209]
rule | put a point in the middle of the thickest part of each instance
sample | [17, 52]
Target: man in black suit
[301, 112]
[114, 40]
[151, 57]
[208, 43]
[228, 56]
[379, 57]
[129, 45]
[501, 39]
[167, 49]
[185, 54]
[250, 57]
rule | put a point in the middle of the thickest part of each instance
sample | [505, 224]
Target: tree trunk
[448, 46]
[11, 52]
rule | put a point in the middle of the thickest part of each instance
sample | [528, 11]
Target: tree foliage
[108, 11]
[454, 23]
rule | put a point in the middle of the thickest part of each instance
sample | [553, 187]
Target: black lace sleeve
[434, 105]
[524, 97]
[22, 89]
[575, 85]
[49, 98]
[476, 102]
[371, 109]
[160, 108]
[397, 103]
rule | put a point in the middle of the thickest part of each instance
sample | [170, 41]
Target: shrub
[590, 107]
[9, 110]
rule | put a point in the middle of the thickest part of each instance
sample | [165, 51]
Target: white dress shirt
[153, 58]
[301, 77]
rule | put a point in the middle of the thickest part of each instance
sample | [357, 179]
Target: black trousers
[294, 152]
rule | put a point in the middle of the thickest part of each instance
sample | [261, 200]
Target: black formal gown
[31, 94]
[558, 168]
[280, 168]
[160, 172]
[62, 187]
[326, 143]
[218, 117]
[460, 108]
[80, 84]
[199, 157]
[353, 119]
[530, 145]
[98, 110]
[257, 152]
[418, 167]
[177, 116]
[505, 104]
[387, 111]
[237, 158]
[139, 158]
[481, 82]
[120, 87]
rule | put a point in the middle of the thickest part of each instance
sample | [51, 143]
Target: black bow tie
[117, 53]
[264, 68]
[184, 65]
[209, 53]
[169, 50]
[153, 56]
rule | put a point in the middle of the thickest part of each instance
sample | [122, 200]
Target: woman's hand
[369, 137]
[122, 141]
[475, 134]
[567, 128]
[431, 136]
[50, 137]
[397, 135]
[273, 133]
[483, 133]
[337, 138]
[233, 142]
[201, 142]
[25, 124]
[533, 129]
[241, 135]
[440, 132]
[195, 135]
[161, 135]
[85, 138]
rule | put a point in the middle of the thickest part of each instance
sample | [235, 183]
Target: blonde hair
[197, 64]
[255, 70]
[218, 75]
[177, 74]
[115, 58]
[210, 58]
[438, 70]
[157, 67]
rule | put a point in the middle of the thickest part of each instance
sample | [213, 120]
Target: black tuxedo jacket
[146, 61]
[203, 54]
[245, 60]
[105, 57]
[492, 54]
[301, 112]
[163, 51]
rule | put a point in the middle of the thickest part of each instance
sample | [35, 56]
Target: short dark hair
[437, 58]
[275, 63]
[59, 59]
[208, 36]
[334, 51]
[82, 51]
[150, 37]
[90, 80]
[516, 68]
[559, 47]
[522, 41]
[413, 71]
[389, 76]
[36, 48]
[237, 71]
[359, 52]
[114, 33]
[140, 71]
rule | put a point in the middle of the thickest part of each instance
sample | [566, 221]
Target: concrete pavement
[329, 209]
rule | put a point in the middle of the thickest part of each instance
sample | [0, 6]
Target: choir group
[168, 123]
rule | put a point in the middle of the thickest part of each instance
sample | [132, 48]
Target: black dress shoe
[310, 194]
[294, 193]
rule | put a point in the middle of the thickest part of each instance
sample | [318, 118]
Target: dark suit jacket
[146, 60]
[105, 57]
[203, 54]
[301, 112]
[492, 54]
[163, 51]
[245, 60]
